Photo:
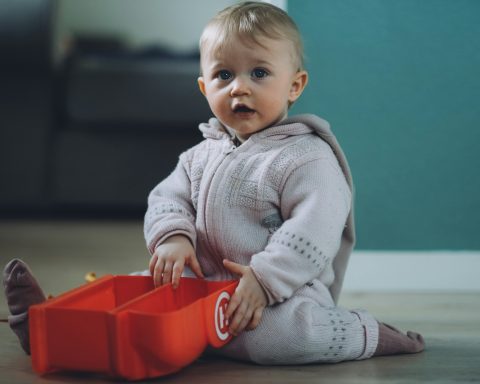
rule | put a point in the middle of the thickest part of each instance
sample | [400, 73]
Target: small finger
[195, 267]
[167, 273]
[238, 319]
[235, 268]
[157, 273]
[243, 323]
[177, 273]
[232, 306]
[257, 316]
[151, 265]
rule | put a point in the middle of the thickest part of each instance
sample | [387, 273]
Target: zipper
[211, 244]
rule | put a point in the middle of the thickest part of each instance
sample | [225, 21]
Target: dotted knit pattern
[302, 246]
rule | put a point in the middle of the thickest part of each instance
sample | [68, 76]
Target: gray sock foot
[391, 341]
[21, 291]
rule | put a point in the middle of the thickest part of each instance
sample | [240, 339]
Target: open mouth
[240, 108]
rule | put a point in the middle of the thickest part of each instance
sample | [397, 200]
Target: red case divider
[123, 327]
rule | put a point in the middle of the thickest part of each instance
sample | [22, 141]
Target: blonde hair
[251, 21]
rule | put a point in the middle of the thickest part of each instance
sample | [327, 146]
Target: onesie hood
[292, 126]
[214, 130]
[298, 125]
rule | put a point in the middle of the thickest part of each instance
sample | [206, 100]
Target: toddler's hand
[248, 301]
[169, 259]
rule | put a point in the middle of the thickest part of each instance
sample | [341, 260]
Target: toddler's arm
[170, 210]
[315, 203]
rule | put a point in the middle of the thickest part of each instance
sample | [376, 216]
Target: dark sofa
[94, 134]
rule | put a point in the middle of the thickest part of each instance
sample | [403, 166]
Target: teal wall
[399, 80]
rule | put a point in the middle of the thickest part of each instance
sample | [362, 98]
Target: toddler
[265, 198]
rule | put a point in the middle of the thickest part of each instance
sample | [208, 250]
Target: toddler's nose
[240, 87]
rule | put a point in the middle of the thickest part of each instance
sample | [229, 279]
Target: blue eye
[224, 75]
[259, 73]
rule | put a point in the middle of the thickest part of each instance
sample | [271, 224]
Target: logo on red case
[221, 321]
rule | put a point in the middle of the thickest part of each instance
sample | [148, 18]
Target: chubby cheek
[275, 105]
[216, 109]
[219, 106]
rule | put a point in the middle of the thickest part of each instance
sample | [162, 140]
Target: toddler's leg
[22, 291]
[300, 331]
[393, 342]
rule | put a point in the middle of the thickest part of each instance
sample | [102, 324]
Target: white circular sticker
[221, 321]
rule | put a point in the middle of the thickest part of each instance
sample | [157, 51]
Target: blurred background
[98, 98]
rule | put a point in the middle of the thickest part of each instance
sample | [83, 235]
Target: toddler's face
[249, 86]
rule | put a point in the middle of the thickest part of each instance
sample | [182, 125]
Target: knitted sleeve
[315, 202]
[170, 210]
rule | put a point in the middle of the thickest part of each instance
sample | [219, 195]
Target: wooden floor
[60, 253]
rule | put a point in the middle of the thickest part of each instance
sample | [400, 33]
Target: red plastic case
[123, 327]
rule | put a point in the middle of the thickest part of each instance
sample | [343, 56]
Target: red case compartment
[123, 327]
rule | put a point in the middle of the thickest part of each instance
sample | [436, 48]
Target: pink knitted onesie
[282, 203]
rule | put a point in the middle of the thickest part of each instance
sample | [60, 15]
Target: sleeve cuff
[370, 325]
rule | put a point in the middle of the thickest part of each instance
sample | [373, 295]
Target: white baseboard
[388, 271]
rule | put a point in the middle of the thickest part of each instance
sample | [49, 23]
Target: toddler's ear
[299, 83]
[201, 85]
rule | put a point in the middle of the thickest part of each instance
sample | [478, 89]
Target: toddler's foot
[21, 291]
[391, 341]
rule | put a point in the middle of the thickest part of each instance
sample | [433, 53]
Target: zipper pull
[230, 146]
[229, 149]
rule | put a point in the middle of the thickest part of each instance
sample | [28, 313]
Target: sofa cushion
[114, 93]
